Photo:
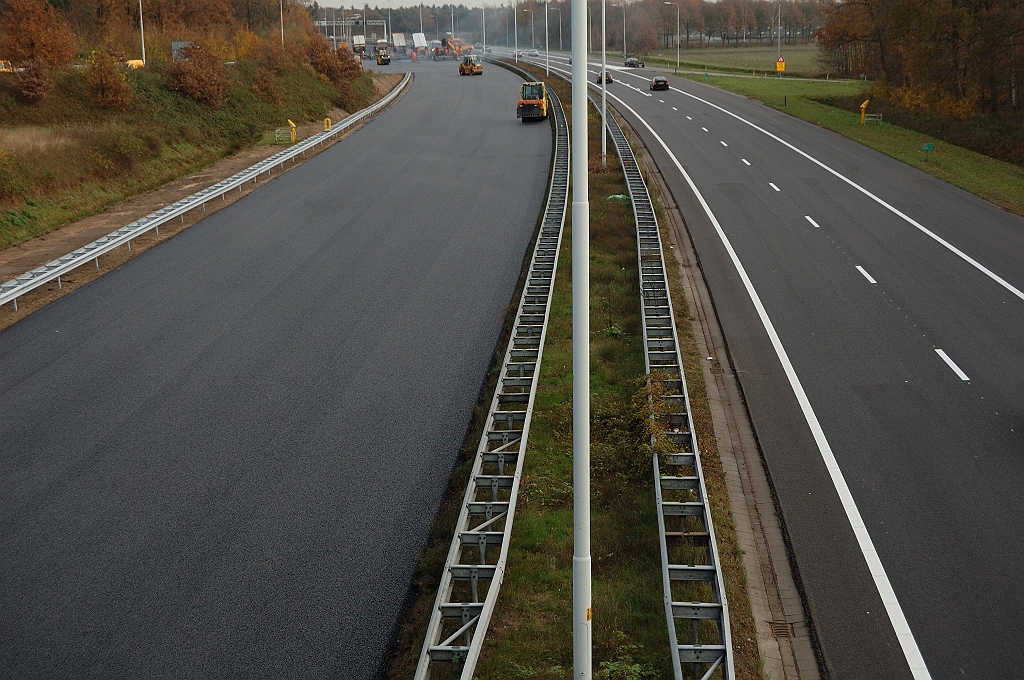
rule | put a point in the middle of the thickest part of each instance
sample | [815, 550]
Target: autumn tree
[106, 84]
[32, 30]
[200, 75]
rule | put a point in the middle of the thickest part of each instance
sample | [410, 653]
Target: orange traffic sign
[780, 65]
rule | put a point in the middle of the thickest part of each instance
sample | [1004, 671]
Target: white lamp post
[557, 9]
[533, 41]
[142, 34]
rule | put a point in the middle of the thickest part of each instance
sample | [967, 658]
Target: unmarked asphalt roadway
[221, 460]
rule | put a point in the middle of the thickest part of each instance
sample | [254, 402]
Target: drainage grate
[781, 629]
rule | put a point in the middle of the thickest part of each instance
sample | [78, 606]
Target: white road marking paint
[704, 129]
[688, 118]
[896, 211]
[911, 652]
[808, 218]
[724, 144]
[662, 101]
[866, 275]
[745, 161]
[949, 362]
[674, 108]
[772, 185]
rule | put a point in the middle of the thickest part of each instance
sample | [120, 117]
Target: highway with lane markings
[874, 315]
[223, 458]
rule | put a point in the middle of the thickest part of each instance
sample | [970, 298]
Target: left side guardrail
[11, 290]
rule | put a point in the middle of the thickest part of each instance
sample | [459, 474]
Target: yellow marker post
[327, 124]
[293, 129]
[863, 110]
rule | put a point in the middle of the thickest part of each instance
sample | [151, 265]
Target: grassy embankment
[531, 635]
[64, 157]
[801, 60]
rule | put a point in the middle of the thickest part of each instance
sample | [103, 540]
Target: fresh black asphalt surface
[934, 463]
[221, 459]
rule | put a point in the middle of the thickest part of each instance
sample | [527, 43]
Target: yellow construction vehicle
[533, 102]
[471, 65]
[5, 66]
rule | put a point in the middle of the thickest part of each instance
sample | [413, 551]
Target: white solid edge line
[808, 218]
[866, 275]
[892, 606]
[745, 161]
[949, 362]
[772, 185]
[723, 143]
[967, 258]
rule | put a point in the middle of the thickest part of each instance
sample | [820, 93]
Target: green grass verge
[996, 181]
[801, 60]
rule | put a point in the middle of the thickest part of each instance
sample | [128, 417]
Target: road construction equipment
[471, 65]
[533, 102]
[5, 66]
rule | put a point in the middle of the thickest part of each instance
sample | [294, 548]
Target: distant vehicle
[489, 49]
[471, 65]
[519, 53]
[383, 58]
[533, 102]
[478, 46]
[534, 53]
[607, 78]
[359, 44]
[135, 63]
[659, 83]
[633, 62]
[5, 66]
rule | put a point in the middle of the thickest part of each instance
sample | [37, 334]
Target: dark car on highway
[659, 83]
[633, 62]
[607, 76]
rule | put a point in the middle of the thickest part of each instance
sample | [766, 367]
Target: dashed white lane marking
[893, 609]
[704, 129]
[724, 144]
[772, 185]
[809, 219]
[745, 161]
[662, 101]
[949, 362]
[688, 118]
[866, 275]
[674, 108]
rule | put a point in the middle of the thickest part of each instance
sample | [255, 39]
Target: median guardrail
[476, 560]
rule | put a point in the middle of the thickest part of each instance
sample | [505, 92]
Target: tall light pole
[515, 23]
[559, 10]
[281, 7]
[453, 20]
[483, 28]
[421, 17]
[533, 42]
[547, 52]
[677, 33]
[582, 614]
[604, 86]
[437, 36]
[142, 34]
[623, 6]
[504, 13]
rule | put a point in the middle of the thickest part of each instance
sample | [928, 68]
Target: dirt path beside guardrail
[22, 257]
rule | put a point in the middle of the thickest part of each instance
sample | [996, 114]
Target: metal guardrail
[691, 576]
[476, 560]
[694, 590]
[11, 290]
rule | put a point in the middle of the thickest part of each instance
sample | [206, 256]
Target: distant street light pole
[421, 17]
[677, 33]
[533, 41]
[437, 36]
[483, 28]
[604, 86]
[547, 51]
[557, 9]
[515, 24]
[142, 34]
[281, 7]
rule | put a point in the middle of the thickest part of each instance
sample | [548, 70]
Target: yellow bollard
[327, 124]
[863, 110]
[293, 129]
